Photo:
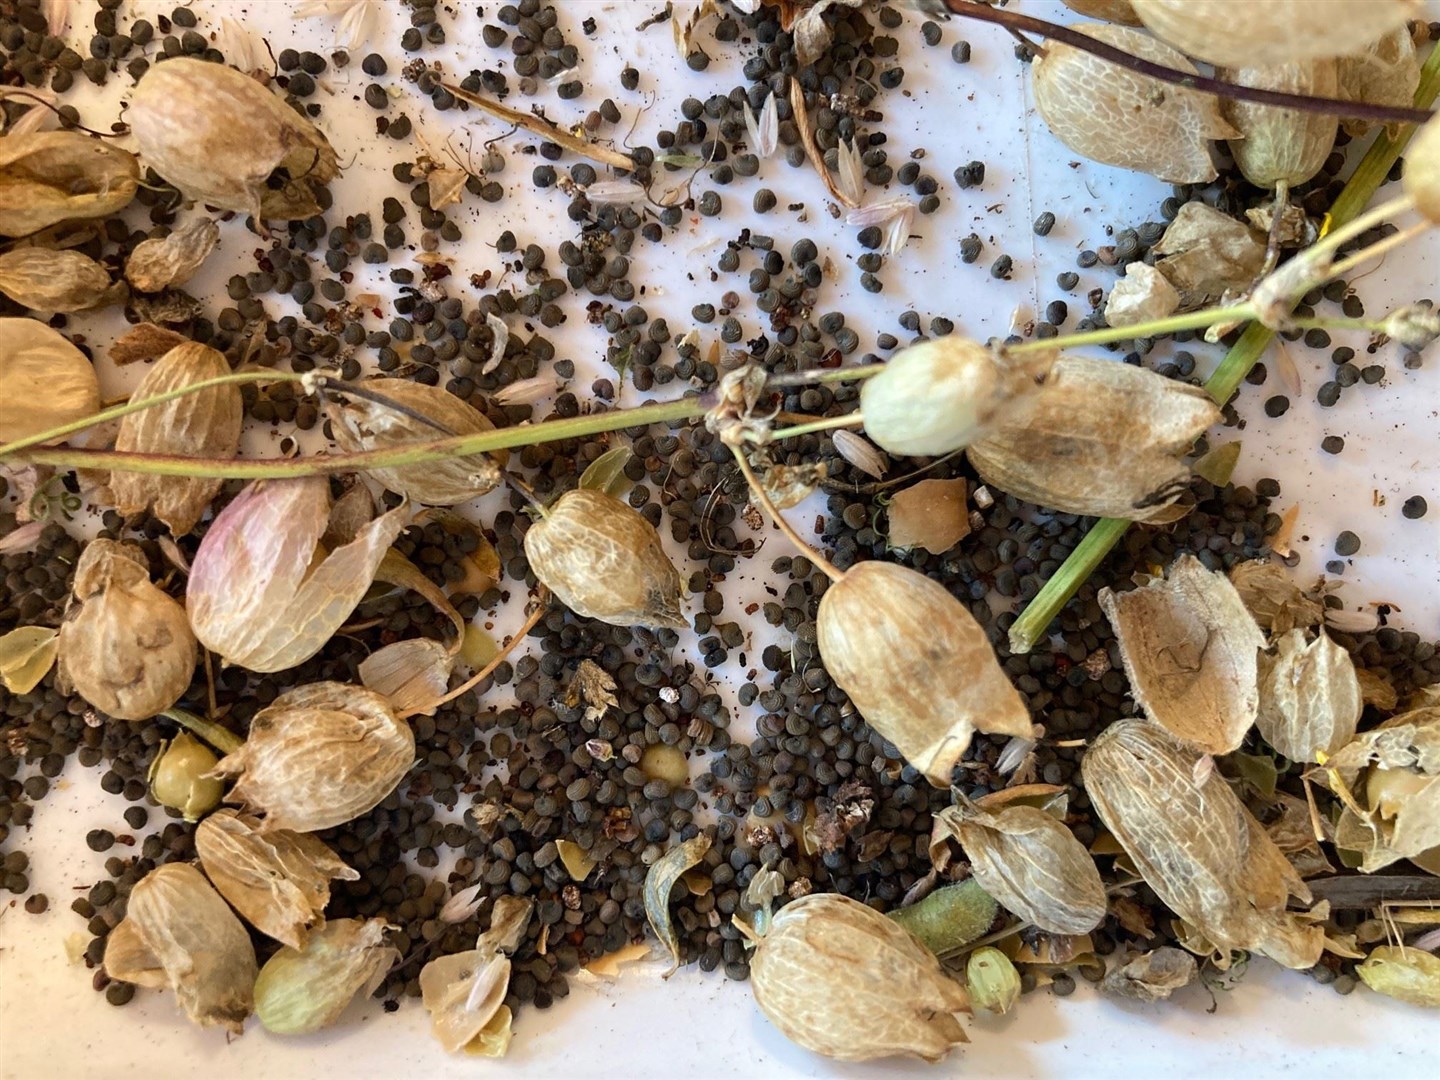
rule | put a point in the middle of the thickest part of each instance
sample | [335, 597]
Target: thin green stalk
[1192, 320]
[223, 739]
[824, 375]
[828, 423]
[1374, 167]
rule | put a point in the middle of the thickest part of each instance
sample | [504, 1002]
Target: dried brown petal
[1310, 699]
[318, 756]
[1151, 976]
[1274, 32]
[594, 687]
[604, 561]
[178, 925]
[45, 280]
[303, 990]
[1282, 146]
[1387, 72]
[1206, 253]
[45, 381]
[361, 424]
[1189, 648]
[1032, 864]
[52, 176]
[1270, 594]
[125, 644]
[1099, 438]
[203, 424]
[837, 977]
[1410, 975]
[220, 136]
[916, 664]
[660, 879]
[1142, 295]
[278, 879]
[1196, 845]
[161, 262]
[1118, 11]
[931, 514]
[1118, 117]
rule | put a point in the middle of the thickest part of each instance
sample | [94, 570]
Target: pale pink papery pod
[254, 596]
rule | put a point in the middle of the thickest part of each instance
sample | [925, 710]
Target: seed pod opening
[52, 176]
[1282, 145]
[225, 140]
[604, 561]
[1118, 117]
[916, 664]
[45, 381]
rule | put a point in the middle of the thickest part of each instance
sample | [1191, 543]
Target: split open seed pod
[1118, 117]
[1310, 697]
[464, 991]
[837, 977]
[224, 139]
[178, 933]
[262, 593]
[319, 756]
[1422, 170]
[940, 395]
[916, 664]
[1099, 438]
[1283, 146]
[203, 424]
[125, 645]
[45, 381]
[362, 424]
[1272, 31]
[604, 561]
[52, 176]
[303, 990]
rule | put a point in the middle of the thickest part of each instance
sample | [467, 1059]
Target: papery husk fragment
[1387, 72]
[45, 381]
[463, 992]
[65, 281]
[52, 176]
[1189, 647]
[577, 861]
[1098, 438]
[604, 561]
[1142, 295]
[414, 674]
[27, 654]
[1151, 976]
[1117, 11]
[930, 514]
[1407, 974]
[1118, 117]
[203, 424]
[916, 664]
[361, 424]
[1310, 699]
[1282, 146]
[1206, 253]
[278, 879]
[225, 140]
[1273, 32]
[1197, 846]
[258, 595]
[1422, 170]
[159, 263]
[178, 932]
[838, 978]
[125, 645]
[145, 341]
[660, 880]
[1270, 594]
[318, 756]
[303, 990]
[1031, 863]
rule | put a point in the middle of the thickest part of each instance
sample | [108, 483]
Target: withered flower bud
[45, 381]
[605, 561]
[52, 176]
[124, 645]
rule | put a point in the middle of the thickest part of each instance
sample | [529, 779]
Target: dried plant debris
[164, 262]
[27, 654]
[1271, 595]
[1410, 975]
[1310, 697]
[929, 514]
[1119, 11]
[1283, 146]
[1386, 72]
[1142, 295]
[464, 992]
[660, 881]
[47, 381]
[413, 674]
[53, 176]
[1151, 976]
[306, 988]
[1206, 254]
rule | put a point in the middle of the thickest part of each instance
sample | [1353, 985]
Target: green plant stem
[1374, 167]
[223, 739]
[1191, 320]
[824, 375]
[828, 423]
[136, 405]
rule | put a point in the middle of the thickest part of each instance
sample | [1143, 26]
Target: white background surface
[52, 1023]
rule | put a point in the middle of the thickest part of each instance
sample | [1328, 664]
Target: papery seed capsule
[916, 664]
[52, 176]
[303, 990]
[1282, 145]
[1422, 170]
[180, 777]
[45, 381]
[605, 561]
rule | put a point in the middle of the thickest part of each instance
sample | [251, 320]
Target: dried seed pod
[166, 261]
[938, 396]
[45, 381]
[1099, 438]
[361, 424]
[916, 664]
[1422, 170]
[1272, 31]
[1196, 845]
[837, 977]
[52, 176]
[1118, 117]
[1282, 146]
[318, 756]
[1190, 651]
[660, 880]
[125, 645]
[224, 139]
[1207, 253]
[1151, 976]
[203, 424]
[177, 932]
[1386, 73]
[1117, 11]
[45, 280]
[258, 595]
[303, 990]
[180, 777]
[992, 981]
[1411, 975]
[278, 879]
[1310, 700]
[1141, 295]
[604, 561]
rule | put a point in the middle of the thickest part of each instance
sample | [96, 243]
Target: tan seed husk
[1118, 11]
[1270, 594]
[1406, 974]
[1151, 976]
[916, 664]
[1282, 146]
[52, 176]
[1142, 295]
[45, 381]
[931, 514]
[660, 881]
[163, 262]
[1310, 698]
[1387, 72]
[1207, 253]
[65, 281]
[303, 990]
[463, 991]
[604, 561]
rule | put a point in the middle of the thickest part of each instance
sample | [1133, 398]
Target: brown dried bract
[1270, 594]
[1207, 253]
[1387, 72]
[45, 381]
[146, 341]
[1151, 976]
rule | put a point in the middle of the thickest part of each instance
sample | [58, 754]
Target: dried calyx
[52, 176]
[45, 381]
[300, 990]
[1283, 146]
